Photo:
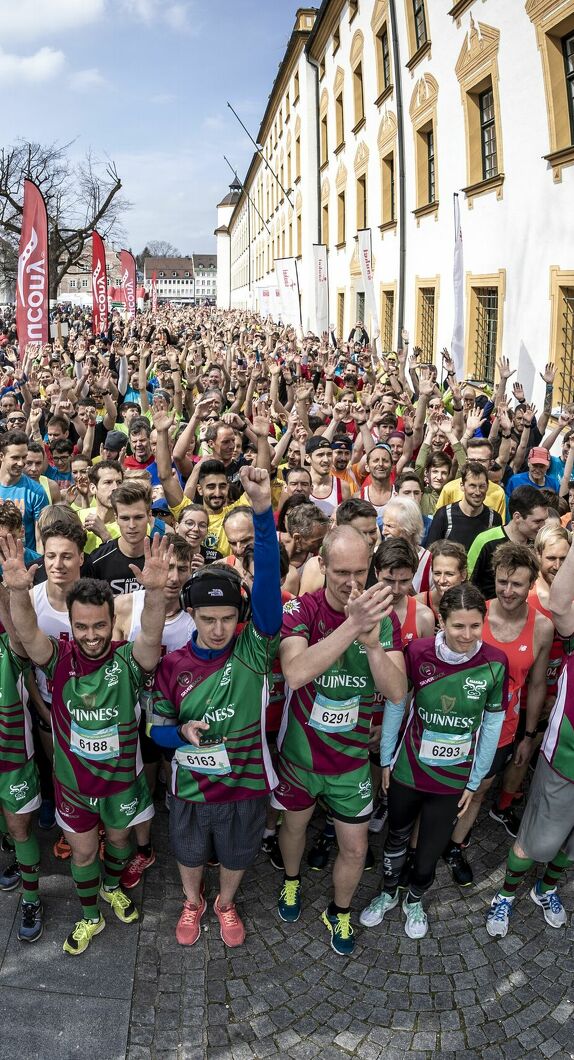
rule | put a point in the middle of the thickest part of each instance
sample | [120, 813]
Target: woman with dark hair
[459, 694]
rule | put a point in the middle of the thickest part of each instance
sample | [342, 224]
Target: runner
[339, 646]
[327, 491]
[97, 764]
[448, 568]
[460, 687]
[546, 832]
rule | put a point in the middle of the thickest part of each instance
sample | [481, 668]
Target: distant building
[175, 278]
[205, 268]
[225, 210]
[76, 286]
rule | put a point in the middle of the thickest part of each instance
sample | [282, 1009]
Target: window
[340, 313]
[554, 25]
[360, 314]
[339, 121]
[477, 72]
[423, 112]
[487, 134]
[296, 87]
[325, 223]
[430, 165]
[340, 218]
[299, 234]
[426, 321]
[353, 8]
[387, 320]
[73, 285]
[568, 52]
[336, 39]
[298, 157]
[420, 23]
[388, 184]
[485, 327]
[324, 141]
[362, 202]
[566, 354]
[358, 94]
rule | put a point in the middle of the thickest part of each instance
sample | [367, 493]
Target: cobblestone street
[456, 994]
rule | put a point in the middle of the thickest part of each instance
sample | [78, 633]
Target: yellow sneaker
[79, 939]
[122, 906]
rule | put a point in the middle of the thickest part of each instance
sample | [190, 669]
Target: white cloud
[41, 66]
[85, 80]
[174, 15]
[29, 19]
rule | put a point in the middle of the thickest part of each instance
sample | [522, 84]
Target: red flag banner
[99, 285]
[32, 292]
[128, 267]
[154, 291]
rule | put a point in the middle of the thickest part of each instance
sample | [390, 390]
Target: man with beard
[96, 685]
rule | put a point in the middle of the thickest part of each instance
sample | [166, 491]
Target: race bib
[330, 715]
[212, 759]
[95, 745]
[439, 747]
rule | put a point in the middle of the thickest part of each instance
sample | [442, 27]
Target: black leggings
[438, 815]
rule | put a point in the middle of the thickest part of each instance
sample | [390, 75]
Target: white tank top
[176, 632]
[51, 622]
[380, 507]
[328, 504]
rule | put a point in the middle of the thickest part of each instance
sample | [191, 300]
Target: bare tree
[160, 248]
[79, 196]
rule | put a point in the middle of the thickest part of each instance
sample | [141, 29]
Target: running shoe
[318, 855]
[188, 927]
[405, 876]
[47, 815]
[374, 913]
[6, 843]
[11, 877]
[135, 869]
[341, 930]
[270, 846]
[62, 849]
[379, 817]
[79, 939]
[231, 926]
[31, 922]
[122, 906]
[508, 819]
[416, 924]
[460, 869]
[289, 904]
[549, 902]
[499, 915]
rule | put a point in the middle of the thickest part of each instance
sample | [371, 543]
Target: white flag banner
[366, 259]
[288, 286]
[264, 296]
[457, 342]
[321, 280]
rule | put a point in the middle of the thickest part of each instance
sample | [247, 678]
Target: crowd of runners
[280, 574]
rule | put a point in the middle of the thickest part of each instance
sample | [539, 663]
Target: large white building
[382, 111]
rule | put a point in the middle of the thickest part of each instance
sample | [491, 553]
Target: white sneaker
[549, 902]
[416, 925]
[374, 913]
[499, 916]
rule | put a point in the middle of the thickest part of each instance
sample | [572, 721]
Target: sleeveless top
[328, 504]
[176, 632]
[380, 507]
[520, 655]
[409, 626]
[556, 656]
[54, 624]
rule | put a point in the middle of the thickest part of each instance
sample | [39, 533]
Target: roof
[185, 263]
[295, 45]
[230, 199]
[205, 261]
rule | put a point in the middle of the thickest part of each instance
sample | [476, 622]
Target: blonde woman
[402, 518]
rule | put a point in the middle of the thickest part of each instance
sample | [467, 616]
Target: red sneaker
[232, 929]
[188, 927]
[135, 869]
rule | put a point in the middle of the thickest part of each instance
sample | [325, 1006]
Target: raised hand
[257, 485]
[504, 368]
[503, 417]
[549, 374]
[157, 557]
[162, 421]
[518, 392]
[529, 414]
[14, 573]
[366, 609]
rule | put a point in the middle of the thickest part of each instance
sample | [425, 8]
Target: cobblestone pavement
[137, 994]
[457, 993]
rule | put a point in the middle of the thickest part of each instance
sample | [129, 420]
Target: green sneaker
[289, 904]
[342, 934]
[374, 913]
[122, 906]
[79, 939]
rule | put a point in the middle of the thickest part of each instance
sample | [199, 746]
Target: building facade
[76, 286]
[400, 105]
[174, 278]
[205, 272]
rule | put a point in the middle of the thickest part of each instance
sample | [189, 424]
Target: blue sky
[145, 83]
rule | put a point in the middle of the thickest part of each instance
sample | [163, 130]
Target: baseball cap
[342, 441]
[115, 441]
[539, 455]
[160, 505]
[316, 442]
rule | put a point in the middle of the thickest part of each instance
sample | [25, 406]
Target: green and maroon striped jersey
[16, 746]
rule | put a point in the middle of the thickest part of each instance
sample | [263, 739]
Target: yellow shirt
[216, 537]
[495, 496]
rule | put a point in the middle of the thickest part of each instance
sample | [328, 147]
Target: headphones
[216, 574]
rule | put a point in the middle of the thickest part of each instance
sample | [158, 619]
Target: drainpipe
[401, 161]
